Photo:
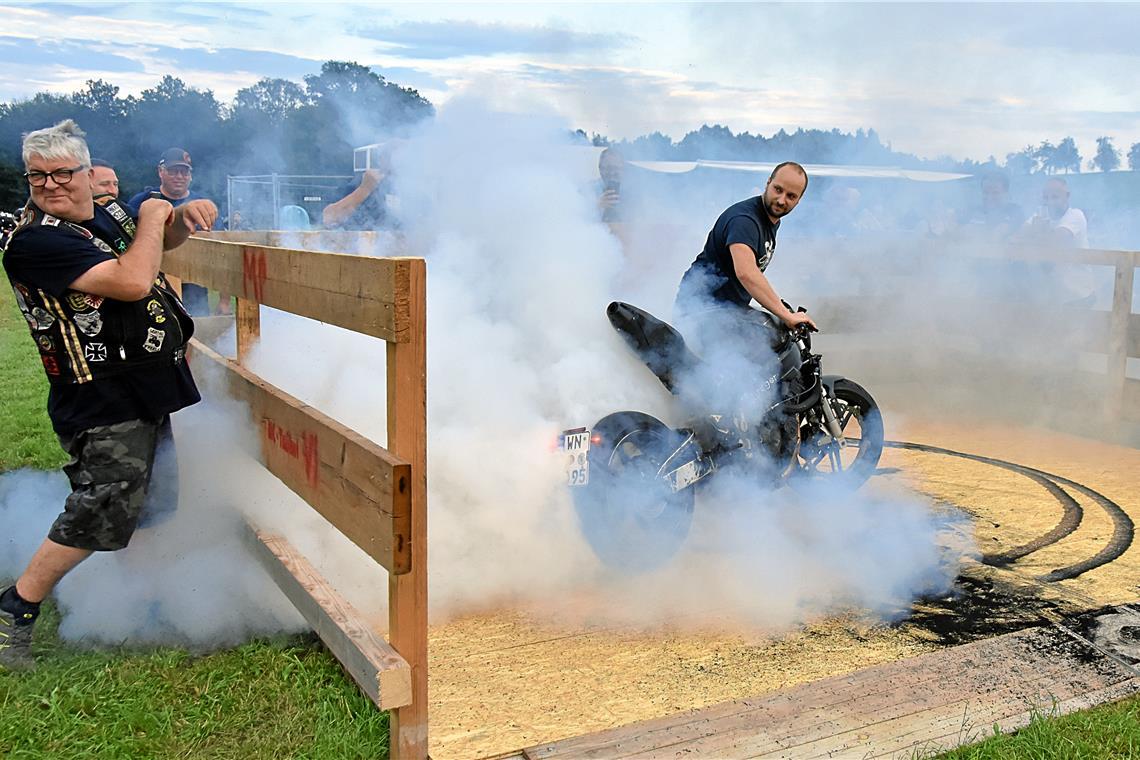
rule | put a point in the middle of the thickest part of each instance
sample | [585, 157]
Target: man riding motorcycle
[712, 304]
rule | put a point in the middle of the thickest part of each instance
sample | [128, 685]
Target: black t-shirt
[712, 276]
[51, 258]
[372, 214]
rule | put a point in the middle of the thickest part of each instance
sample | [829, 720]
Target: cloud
[263, 62]
[455, 39]
[20, 50]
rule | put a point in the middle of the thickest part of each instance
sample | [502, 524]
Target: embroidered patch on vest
[154, 338]
[90, 323]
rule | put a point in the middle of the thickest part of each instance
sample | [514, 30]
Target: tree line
[277, 125]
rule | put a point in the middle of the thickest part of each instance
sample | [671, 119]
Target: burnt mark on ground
[977, 609]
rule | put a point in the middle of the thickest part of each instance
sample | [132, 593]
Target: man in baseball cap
[175, 172]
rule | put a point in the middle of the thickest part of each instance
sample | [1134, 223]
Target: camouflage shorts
[110, 470]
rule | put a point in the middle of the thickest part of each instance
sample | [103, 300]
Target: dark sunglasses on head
[59, 176]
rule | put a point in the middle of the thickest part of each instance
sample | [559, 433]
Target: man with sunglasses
[175, 173]
[111, 335]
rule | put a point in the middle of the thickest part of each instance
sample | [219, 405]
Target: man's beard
[770, 212]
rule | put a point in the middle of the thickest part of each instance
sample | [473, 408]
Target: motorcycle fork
[829, 418]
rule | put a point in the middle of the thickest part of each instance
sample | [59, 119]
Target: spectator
[611, 170]
[175, 173]
[111, 335]
[362, 203]
[996, 217]
[1057, 223]
[104, 181]
[844, 215]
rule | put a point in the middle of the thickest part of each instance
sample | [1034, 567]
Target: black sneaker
[16, 641]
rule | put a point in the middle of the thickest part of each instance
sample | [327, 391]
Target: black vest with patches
[83, 337]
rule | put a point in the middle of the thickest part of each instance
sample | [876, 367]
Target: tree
[275, 99]
[1134, 157]
[1107, 157]
[1066, 158]
[1022, 162]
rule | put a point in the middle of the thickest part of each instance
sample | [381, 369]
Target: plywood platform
[930, 702]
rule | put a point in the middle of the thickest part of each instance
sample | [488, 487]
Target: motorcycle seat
[657, 343]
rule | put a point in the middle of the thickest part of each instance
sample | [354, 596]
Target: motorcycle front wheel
[628, 512]
[822, 459]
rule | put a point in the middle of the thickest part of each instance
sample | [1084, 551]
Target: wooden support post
[1118, 342]
[407, 439]
[248, 319]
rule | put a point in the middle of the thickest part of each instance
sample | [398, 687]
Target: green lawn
[283, 698]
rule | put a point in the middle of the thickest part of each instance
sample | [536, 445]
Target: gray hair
[64, 140]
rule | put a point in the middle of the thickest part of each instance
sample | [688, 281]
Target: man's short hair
[100, 162]
[62, 141]
[1058, 181]
[608, 151]
[795, 166]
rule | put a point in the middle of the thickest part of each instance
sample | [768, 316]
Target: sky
[964, 80]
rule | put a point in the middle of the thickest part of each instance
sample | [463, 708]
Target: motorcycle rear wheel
[859, 418]
[628, 513]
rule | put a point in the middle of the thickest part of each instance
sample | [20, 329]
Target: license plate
[575, 446]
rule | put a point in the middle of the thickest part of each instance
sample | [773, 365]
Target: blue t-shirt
[712, 277]
[51, 258]
[137, 199]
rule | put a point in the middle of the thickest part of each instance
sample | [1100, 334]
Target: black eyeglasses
[178, 171]
[59, 176]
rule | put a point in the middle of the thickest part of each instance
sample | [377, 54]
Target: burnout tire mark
[1123, 529]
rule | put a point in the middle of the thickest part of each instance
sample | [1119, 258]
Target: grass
[284, 698]
[1102, 733]
[26, 437]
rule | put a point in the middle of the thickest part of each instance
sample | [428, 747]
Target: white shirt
[1072, 220]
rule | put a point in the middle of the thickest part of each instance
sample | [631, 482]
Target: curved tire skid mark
[1123, 529]
[1070, 520]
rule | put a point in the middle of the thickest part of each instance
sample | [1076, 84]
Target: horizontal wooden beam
[361, 293]
[371, 661]
[358, 486]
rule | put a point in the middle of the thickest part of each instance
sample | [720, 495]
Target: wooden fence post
[1118, 342]
[407, 439]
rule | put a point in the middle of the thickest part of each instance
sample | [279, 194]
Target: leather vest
[83, 337]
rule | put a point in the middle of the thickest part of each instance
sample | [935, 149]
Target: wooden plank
[376, 667]
[358, 486]
[836, 714]
[1118, 342]
[354, 292]
[248, 319]
[407, 438]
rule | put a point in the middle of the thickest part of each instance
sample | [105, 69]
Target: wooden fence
[1114, 333]
[376, 497]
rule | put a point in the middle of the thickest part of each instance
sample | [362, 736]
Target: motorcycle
[633, 478]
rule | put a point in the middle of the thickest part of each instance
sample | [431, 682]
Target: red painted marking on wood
[305, 449]
[311, 452]
[254, 272]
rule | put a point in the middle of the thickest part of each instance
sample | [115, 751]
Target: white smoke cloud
[519, 275]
